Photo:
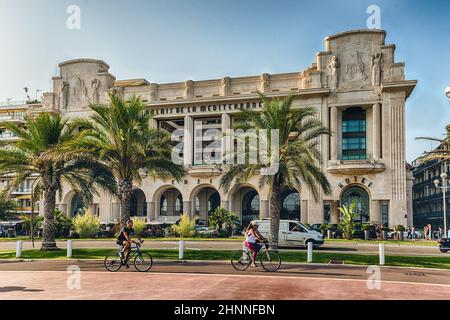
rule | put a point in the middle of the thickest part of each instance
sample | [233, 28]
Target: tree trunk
[49, 227]
[274, 215]
[125, 189]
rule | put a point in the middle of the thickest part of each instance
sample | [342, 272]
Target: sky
[175, 40]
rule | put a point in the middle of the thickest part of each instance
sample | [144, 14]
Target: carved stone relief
[64, 94]
[95, 86]
[333, 72]
[376, 69]
[226, 86]
[265, 82]
[189, 89]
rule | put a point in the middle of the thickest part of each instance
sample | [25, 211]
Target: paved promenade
[216, 280]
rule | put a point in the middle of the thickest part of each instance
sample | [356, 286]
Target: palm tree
[442, 151]
[120, 135]
[348, 219]
[38, 153]
[299, 131]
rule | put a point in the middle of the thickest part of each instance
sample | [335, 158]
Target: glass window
[354, 134]
[385, 214]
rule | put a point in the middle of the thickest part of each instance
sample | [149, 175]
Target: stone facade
[357, 88]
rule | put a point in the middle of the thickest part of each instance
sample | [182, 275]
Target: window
[354, 134]
[385, 214]
[207, 141]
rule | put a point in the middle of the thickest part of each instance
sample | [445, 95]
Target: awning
[164, 220]
[11, 223]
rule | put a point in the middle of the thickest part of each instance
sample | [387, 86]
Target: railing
[365, 157]
[12, 117]
[7, 135]
[22, 190]
[13, 103]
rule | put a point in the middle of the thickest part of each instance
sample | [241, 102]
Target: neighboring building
[15, 112]
[427, 199]
[355, 85]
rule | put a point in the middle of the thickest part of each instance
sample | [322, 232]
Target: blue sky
[175, 40]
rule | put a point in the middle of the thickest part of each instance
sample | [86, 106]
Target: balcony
[204, 170]
[22, 191]
[15, 117]
[360, 166]
[8, 136]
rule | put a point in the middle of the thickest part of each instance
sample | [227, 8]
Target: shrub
[365, 226]
[222, 217]
[400, 228]
[86, 225]
[139, 225]
[63, 223]
[185, 227]
[348, 219]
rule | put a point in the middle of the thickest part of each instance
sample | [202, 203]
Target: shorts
[119, 242]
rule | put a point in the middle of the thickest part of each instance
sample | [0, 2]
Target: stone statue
[95, 86]
[226, 86]
[64, 94]
[376, 69]
[333, 72]
[265, 84]
[189, 91]
[153, 91]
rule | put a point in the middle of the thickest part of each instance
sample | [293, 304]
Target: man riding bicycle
[124, 239]
[252, 240]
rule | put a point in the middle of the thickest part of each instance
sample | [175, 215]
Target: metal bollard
[181, 250]
[381, 246]
[19, 248]
[69, 248]
[310, 252]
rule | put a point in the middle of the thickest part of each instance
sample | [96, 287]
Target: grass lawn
[431, 243]
[146, 239]
[286, 256]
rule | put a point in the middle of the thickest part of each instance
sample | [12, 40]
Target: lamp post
[444, 186]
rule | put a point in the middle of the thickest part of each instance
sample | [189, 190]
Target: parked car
[202, 230]
[292, 233]
[358, 232]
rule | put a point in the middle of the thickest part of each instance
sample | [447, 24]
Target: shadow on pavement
[23, 289]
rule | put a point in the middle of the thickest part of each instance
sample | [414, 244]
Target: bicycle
[270, 259]
[142, 260]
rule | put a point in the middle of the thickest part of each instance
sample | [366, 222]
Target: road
[170, 280]
[337, 247]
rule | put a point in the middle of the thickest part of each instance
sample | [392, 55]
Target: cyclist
[124, 239]
[252, 239]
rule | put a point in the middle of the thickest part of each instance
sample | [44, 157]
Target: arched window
[77, 205]
[133, 205]
[179, 205]
[163, 206]
[250, 207]
[213, 202]
[290, 206]
[361, 198]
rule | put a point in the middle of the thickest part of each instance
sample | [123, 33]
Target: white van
[292, 233]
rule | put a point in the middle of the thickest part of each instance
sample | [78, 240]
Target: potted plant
[329, 231]
[366, 228]
[323, 229]
[384, 230]
[400, 229]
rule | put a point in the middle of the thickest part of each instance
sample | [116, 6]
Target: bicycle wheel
[240, 260]
[143, 262]
[113, 262]
[270, 260]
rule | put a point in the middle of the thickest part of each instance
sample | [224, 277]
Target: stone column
[225, 204]
[151, 212]
[226, 140]
[375, 212]
[187, 208]
[264, 209]
[188, 140]
[334, 215]
[304, 211]
[334, 130]
[376, 130]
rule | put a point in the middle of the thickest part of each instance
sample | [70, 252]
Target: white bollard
[181, 250]
[69, 248]
[381, 245]
[310, 252]
[19, 248]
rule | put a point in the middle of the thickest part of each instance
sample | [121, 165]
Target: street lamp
[444, 186]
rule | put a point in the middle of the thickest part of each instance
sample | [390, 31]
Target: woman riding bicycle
[252, 239]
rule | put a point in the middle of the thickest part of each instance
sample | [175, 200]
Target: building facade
[427, 199]
[16, 112]
[357, 88]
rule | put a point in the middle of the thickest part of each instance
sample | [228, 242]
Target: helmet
[255, 223]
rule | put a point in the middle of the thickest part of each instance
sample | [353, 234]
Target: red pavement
[98, 285]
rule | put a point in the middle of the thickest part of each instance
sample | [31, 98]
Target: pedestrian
[425, 232]
[413, 233]
[395, 233]
[409, 232]
[439, 232]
